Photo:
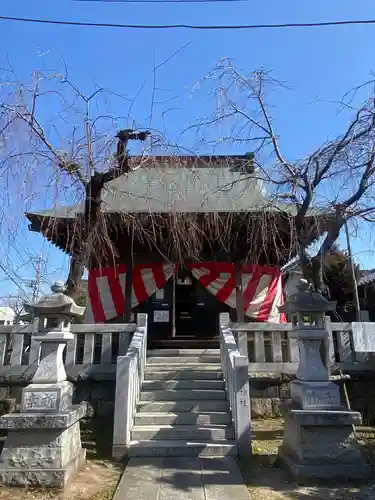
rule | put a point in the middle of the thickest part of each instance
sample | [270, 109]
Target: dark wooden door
[185, 305]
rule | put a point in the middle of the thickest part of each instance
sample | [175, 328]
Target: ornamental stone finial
[58, 287]
[56, 304]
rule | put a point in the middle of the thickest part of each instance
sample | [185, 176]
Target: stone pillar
[318, 442]
[43, 445]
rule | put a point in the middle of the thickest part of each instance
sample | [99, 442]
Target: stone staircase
[183, 410]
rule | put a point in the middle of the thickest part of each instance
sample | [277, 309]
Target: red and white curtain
[261, 287]
[106, 288]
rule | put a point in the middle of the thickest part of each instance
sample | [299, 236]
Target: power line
[11, 278]
[162, 1]
[190, 26]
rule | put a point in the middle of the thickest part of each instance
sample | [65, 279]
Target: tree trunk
[76, 271]
[88, 224]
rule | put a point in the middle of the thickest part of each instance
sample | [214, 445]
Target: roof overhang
[179, 186]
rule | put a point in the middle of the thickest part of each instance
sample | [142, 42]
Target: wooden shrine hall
[201, 236]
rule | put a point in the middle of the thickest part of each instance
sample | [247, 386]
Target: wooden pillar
[174, 302]
[239, 297]
[128, 284]
[240, 310]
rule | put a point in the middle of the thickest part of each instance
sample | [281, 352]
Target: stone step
[182, 394]
[182, 418]
[183, 360]
[179, 432]
[159, 385]
[168, 374]
[181, 448]
[182, 352]
[197, 406]
[183, 342]
[182, 364]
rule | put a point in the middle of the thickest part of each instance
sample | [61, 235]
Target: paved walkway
[182, 479]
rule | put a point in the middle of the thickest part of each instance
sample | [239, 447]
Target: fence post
[121, 424]
[224, 320]
[329, 348]
[242, 344]
[142, 324]
[242, 402]
[34, 355]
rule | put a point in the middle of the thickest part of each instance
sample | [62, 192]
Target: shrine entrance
[183, 314]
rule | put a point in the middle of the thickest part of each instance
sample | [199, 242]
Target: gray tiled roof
[174, 189]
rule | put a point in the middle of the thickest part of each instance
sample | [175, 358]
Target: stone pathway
[182, 479]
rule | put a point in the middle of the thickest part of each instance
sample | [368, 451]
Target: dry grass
[97, 480]
[267, 481]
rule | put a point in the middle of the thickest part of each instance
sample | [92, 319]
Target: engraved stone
[47, 397]
[315, 395]
[40, 400]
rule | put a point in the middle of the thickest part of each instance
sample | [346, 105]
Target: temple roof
[182, 184]
[194, 186]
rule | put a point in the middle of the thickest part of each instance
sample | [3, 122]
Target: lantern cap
[55, 304]
[306, 300]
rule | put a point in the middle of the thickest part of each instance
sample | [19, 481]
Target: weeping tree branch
[82, 166]
[93, 200]
[336, 181]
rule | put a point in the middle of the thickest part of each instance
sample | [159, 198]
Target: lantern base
[42, 450]
[320, 445]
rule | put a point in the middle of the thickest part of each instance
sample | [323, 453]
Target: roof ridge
[195, 160]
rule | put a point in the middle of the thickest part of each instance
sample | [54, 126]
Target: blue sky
[318, 65]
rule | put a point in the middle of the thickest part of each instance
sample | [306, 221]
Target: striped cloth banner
[262, 288]
[106, 288]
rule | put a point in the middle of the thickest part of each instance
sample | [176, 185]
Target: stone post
[43, 445]
[318, 442]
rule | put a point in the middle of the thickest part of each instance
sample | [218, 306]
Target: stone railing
[271, 349]
[129, 379]
[234, 366]
[92, 352]
[95, 349]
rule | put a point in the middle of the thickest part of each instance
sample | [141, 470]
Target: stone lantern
[312, 388]
[43, 445]
[55, 313]
[318, 437]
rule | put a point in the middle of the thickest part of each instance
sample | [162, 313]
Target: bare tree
[71, 154]
[335, 181]
[16, 303]
[69, 159]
